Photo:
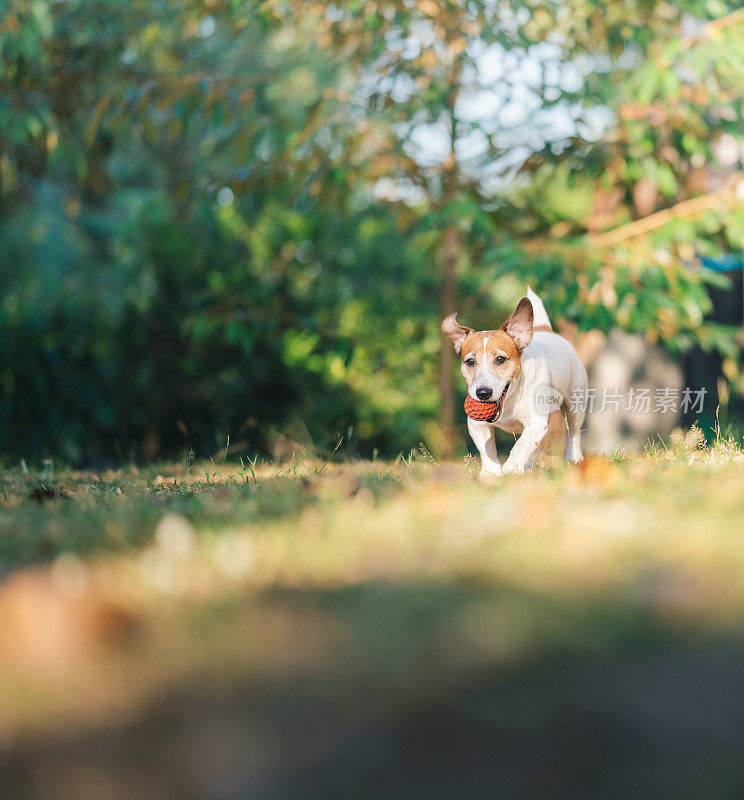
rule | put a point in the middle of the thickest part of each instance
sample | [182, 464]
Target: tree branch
[687, 208]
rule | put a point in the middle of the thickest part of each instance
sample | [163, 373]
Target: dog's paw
[512, 468]
[490, 473]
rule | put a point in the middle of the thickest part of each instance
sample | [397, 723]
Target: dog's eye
[500, 359]
[470, 362]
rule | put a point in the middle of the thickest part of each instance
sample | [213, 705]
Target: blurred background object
[247, 219]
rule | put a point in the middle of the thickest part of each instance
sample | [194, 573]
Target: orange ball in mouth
[485, 412]
[482, 412]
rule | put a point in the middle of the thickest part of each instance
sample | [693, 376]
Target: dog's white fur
[548, 363]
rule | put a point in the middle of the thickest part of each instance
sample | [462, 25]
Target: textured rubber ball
[482, 412]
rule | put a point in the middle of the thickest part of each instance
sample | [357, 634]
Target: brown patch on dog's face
[496, 347]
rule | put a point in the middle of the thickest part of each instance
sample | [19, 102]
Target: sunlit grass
[124, 583]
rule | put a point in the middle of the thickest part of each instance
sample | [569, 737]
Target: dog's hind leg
[574, 421]
[574, 407]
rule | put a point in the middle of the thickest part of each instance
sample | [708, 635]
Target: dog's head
[492, 360]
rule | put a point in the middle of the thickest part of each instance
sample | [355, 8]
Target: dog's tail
[541, 321]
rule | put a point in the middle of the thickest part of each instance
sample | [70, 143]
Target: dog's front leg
[535, 430]
[482, 434]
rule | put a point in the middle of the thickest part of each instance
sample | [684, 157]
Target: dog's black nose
[483, 393]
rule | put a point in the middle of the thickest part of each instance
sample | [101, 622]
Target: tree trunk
[448, 300]
[448, 297]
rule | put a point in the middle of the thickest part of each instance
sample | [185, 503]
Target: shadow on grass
[86, 519]
[435, 689]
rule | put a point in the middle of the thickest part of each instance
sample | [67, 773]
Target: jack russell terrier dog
[516, 376]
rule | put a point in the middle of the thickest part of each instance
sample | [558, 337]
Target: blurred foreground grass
[359, 629]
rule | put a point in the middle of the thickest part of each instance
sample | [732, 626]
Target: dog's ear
[519, 324]
[456, 332]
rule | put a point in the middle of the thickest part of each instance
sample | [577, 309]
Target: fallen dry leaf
[595, 469]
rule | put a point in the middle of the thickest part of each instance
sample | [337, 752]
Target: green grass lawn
[271, 632]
